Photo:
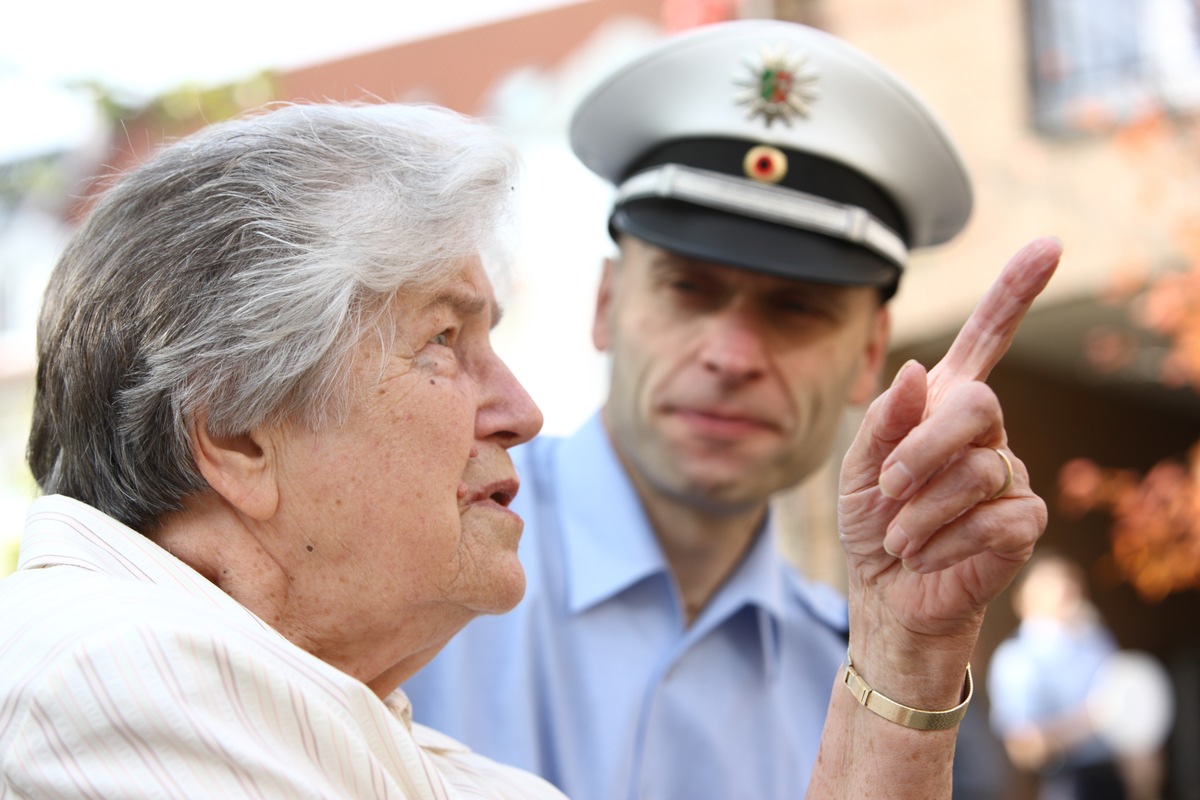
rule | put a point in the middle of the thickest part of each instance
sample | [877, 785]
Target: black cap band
[745, 238]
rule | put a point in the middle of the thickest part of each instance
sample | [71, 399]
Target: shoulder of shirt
[93, 613]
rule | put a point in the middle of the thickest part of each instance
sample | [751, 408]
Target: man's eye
[688, 287]
[797, 307]
[692, 292]
[442, 338]
[802, 306]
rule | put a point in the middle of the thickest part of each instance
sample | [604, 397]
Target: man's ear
[874, 356]
[601, 335]
[240, 468]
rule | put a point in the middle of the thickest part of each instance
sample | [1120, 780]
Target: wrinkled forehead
[466, 292]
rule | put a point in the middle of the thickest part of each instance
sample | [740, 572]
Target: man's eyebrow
[664, 258]
[665, 261]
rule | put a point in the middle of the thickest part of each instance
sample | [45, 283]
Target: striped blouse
[124, 673]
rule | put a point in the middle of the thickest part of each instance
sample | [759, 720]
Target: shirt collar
[601, 559]
[604, 559]
[62, 531]
[759, 584]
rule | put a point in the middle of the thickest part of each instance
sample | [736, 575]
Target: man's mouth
[722, 422]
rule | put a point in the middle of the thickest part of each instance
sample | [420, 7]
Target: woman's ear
[240, 468]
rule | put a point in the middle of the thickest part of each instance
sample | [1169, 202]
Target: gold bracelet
[900, 714]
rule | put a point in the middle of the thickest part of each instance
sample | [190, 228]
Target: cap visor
[723, 238]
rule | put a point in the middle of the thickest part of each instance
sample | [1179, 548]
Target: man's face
[727, 385]
[394, 525]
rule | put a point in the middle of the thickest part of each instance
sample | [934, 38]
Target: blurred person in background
[1041, 679]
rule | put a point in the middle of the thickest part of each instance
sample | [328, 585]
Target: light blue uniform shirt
[594, 682]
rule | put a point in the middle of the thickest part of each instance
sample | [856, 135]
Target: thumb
[888, 420]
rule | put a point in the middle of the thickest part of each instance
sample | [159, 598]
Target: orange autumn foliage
[1155, 531]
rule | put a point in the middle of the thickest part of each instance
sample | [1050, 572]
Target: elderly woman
[272, 439]
[272, 434]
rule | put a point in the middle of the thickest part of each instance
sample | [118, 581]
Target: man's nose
[732, 346]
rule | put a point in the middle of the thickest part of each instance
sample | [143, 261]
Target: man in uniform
[771, 181]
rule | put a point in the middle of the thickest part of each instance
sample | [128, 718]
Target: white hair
[232, 276]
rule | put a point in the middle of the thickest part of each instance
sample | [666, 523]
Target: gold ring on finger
[1008, 476]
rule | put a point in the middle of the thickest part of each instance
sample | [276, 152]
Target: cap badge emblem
[779, 86]
[765, 163]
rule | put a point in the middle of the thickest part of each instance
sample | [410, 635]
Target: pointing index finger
[990, 329]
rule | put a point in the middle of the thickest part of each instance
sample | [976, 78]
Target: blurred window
[1095, 64]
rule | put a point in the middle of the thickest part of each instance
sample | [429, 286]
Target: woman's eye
[442, 338]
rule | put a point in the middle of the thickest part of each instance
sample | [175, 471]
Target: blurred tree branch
[1155, 533]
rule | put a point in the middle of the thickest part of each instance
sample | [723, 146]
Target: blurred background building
[1077, 118]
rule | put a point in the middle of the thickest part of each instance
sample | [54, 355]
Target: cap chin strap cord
[766, 202]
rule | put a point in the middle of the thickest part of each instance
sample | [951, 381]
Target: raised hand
[932, 527]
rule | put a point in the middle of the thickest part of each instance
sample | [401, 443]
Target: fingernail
[895, 480]
[905, 367]
[895, 542]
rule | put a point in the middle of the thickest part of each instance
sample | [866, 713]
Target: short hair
[233, 275]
